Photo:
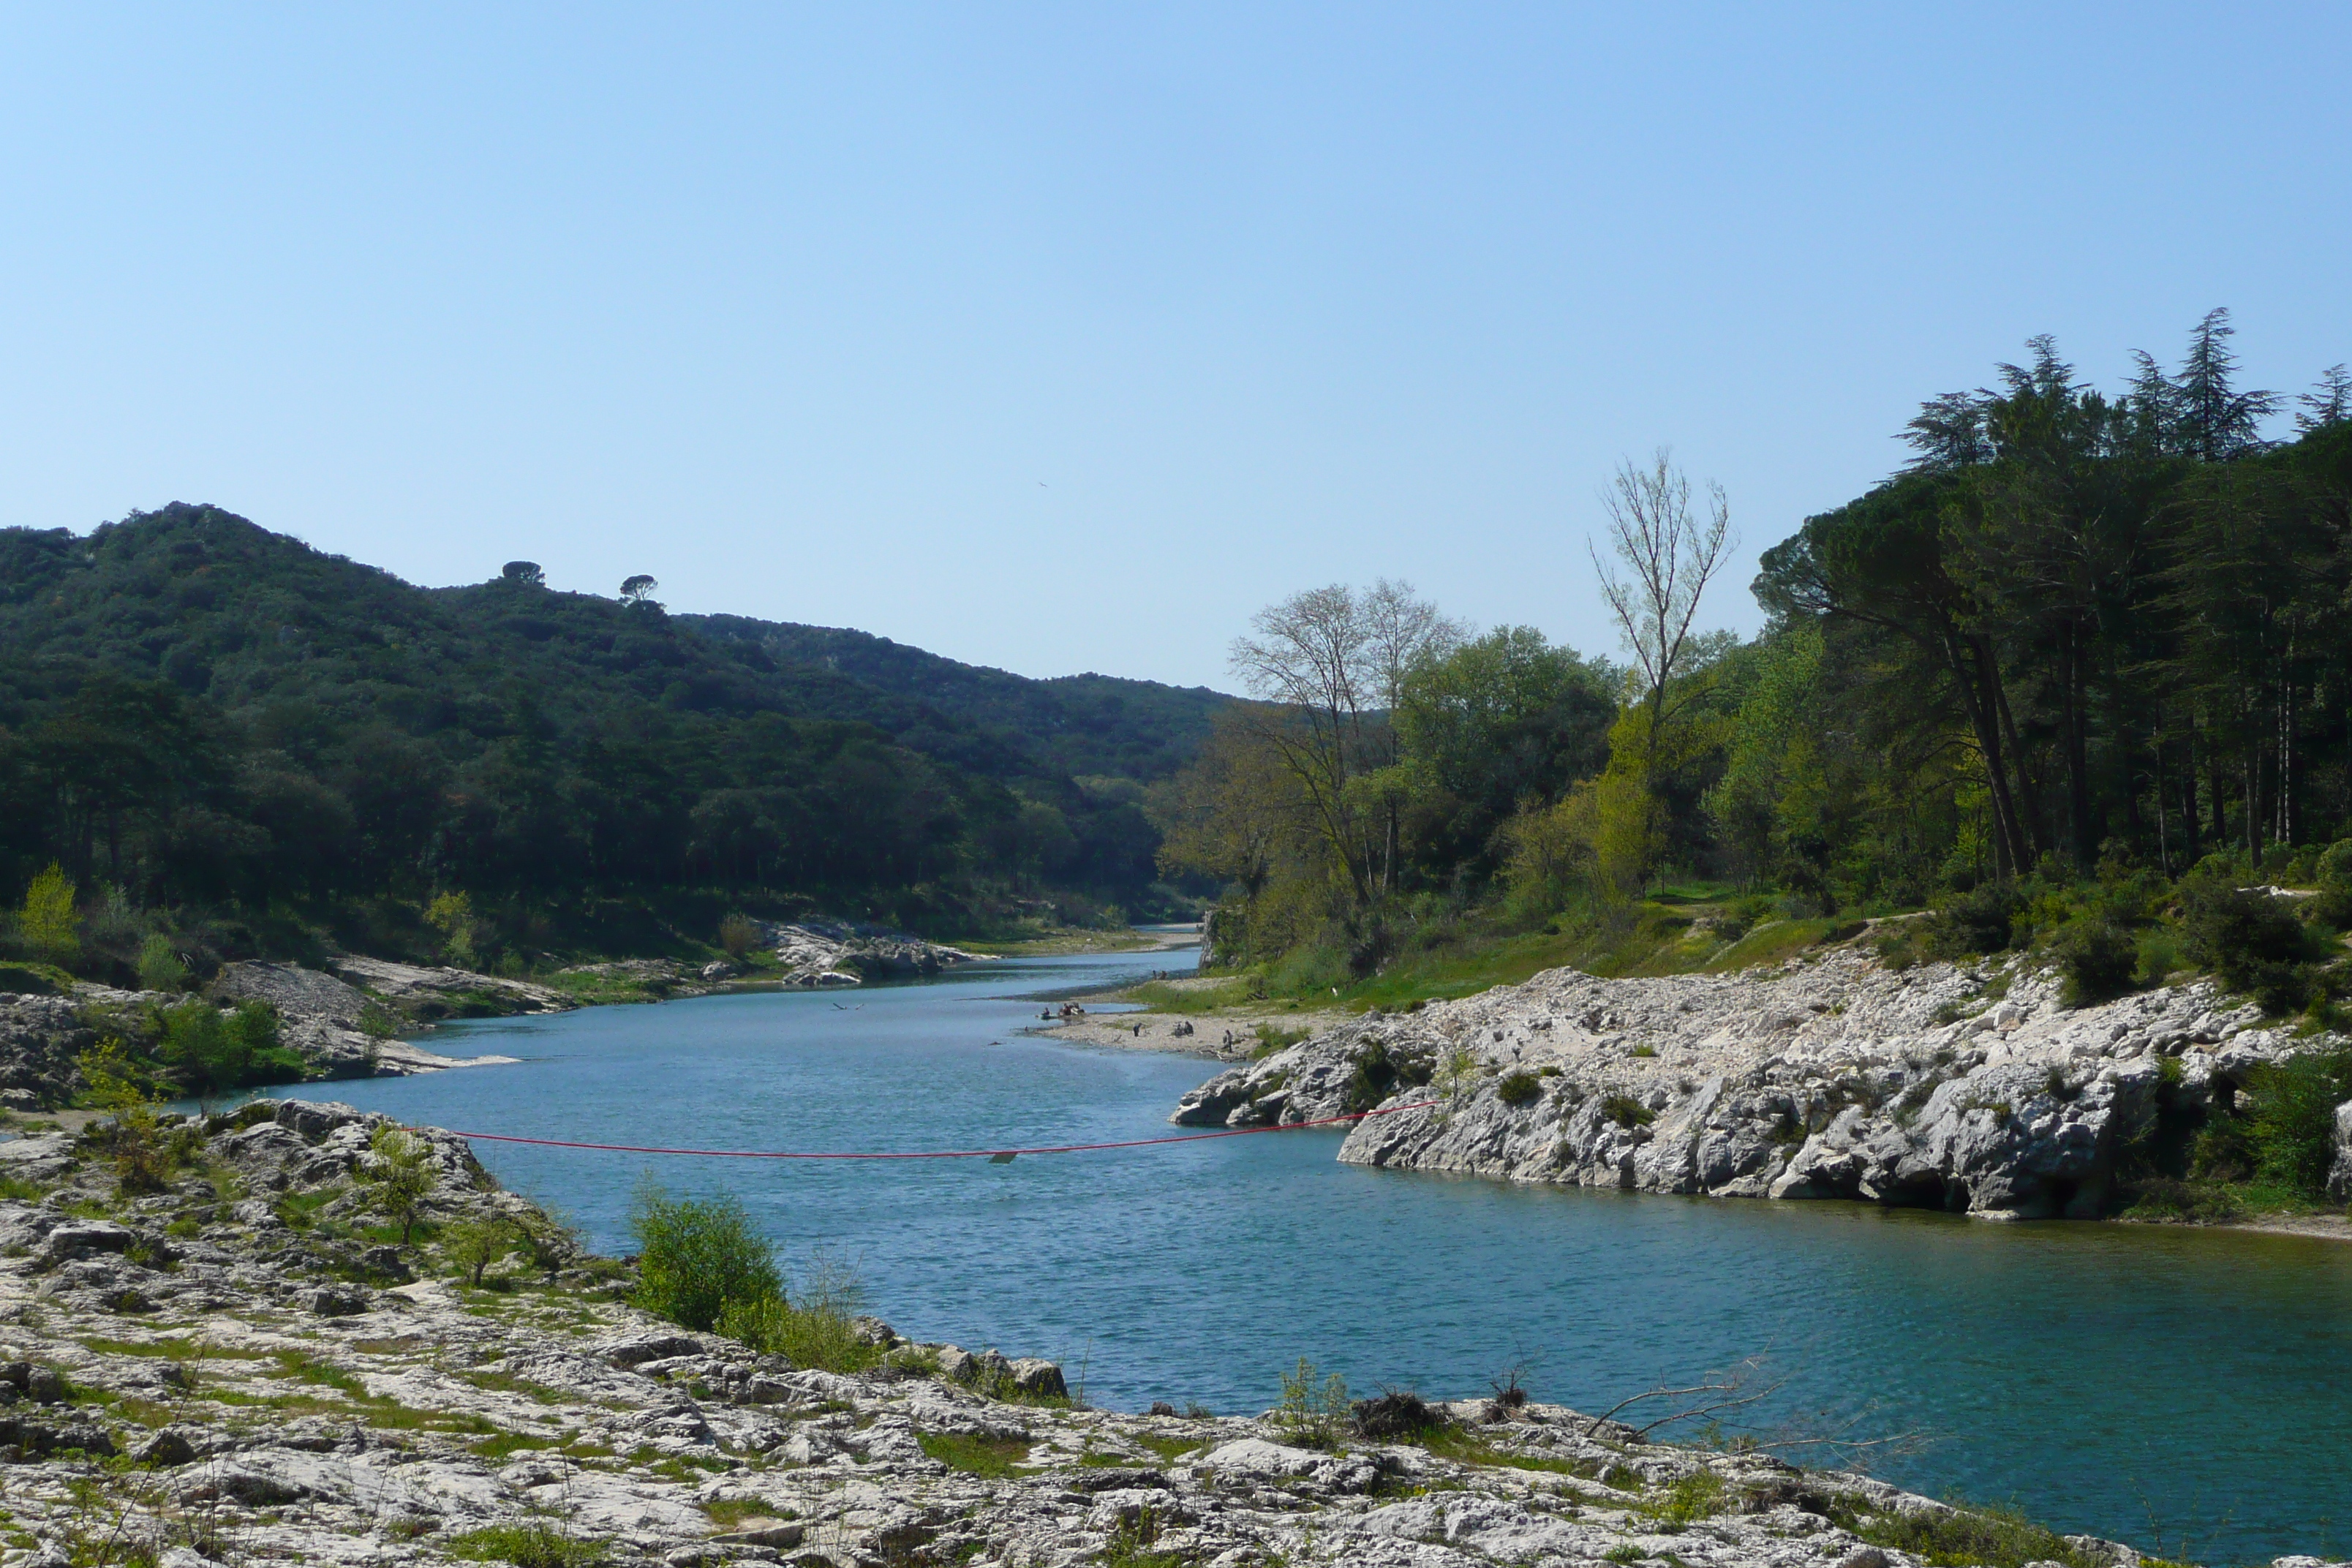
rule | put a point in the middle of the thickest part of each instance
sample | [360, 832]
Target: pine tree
[2329, 401]
[2216, 421]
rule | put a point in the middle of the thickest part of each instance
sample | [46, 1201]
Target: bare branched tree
[1326, 663]
[1669, 555]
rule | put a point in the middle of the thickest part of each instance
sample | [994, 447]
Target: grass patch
[990, 1458]
[728, 1512]
[1169, 1450]
[1162, 997]
[533, 1545]
[507, 1442]
[508, 1382]
[1465, 1447]
[172, 1350]
[1973, 1536]
[310, 1369]
[1776, 941]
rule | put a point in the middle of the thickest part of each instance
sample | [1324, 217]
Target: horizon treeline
[2076, 624]
[248, 746]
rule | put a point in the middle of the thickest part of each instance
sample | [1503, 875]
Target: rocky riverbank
[844, 952]
[1969, 1089]
[235, 1369]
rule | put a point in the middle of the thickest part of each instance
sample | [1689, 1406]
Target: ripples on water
[2141, 1383]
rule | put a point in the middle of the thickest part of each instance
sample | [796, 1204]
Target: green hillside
[284, 746]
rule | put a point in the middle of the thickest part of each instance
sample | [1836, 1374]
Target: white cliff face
[1834, 1078]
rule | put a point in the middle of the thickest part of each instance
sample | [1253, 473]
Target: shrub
[2099, 958]
[812, 1326]
[1375, 1074]
[1519, 1089]
[1397, 1413]
[737, 935]
[2291, 1122]
[1979, 921]
[212, 1050]
[1626, 1111]
[142, 1161]
[1311, 1408]
[699, 1255]
[2253, 941]
[160, 966]
[2333, 903]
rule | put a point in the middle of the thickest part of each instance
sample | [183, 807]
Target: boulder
[1033, 1375]
[339, 1301]
[2339, 1177]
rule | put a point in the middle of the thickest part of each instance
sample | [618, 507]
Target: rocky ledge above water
[844, 952]
[1966, 1089]
[220, 1373]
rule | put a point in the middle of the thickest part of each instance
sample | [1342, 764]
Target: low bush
[2333, 877]
[2291, 1118]
[811, 1327]
[1520, 1088]
[697, 1257]
[1313, 1408]
[1626, 1111]
[1397, 1413]
[2099, 958]
[2253, 941]
[211, 1050]
[1980, 920]
[1974, 1538]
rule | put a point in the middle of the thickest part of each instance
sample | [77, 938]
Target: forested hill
[1085, 725]
[199, 714]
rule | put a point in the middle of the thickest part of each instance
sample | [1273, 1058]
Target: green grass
[1169, 1450]
[171, 1348]
[1661, 939]
[1973, 1536]
[991, 1457]
[311, 1370]
[507, 1442]
[1162, 997]
[728, 1512]
[533, 1545]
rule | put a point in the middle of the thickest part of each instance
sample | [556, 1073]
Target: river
[2188, 1391]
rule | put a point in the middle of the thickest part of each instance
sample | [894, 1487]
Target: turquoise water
[2187, 1391]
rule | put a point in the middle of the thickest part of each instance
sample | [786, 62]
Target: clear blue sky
[1061, 339]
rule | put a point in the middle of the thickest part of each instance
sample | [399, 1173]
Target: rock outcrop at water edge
[1966, 1089]
[842, 952]
[339, 1030]
[227, 1371]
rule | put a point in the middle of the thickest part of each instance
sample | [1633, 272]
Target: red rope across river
[946, 1154]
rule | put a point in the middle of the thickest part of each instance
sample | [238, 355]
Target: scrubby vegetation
[702, 1265]
[2070, 680]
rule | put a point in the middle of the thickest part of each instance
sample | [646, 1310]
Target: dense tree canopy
[196, 712]
[2075, 630]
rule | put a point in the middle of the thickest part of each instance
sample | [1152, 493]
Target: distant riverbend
[2146, 1385]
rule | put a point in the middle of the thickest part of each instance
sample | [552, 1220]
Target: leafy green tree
[48, 921]
[398, 1174]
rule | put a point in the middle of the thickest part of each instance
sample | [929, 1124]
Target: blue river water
[2187, 1391]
